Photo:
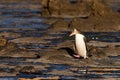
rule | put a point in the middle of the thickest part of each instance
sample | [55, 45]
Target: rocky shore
[47, 53]
[86, 15]
[33, 62]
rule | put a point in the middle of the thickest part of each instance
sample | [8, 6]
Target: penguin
[80, 44]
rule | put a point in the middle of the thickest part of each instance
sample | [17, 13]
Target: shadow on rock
[70, 52]
[93, 52]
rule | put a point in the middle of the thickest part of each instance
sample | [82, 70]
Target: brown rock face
[74, 8]
[86, 15]
[99, 8]
[28, 69]
[3, 42]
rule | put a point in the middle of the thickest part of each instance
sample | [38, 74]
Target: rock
[17, 69]
[99, 8]
[11, 46]
[111, 46]
[93, 51]
[87, 15]
[3, 74]
[27, 40]
[3, 42]
[12, 50]
[10, 35]
[96, 52]
[45, 7]
[42, 78]
[77, 8]
[28, 69]
[60, 25]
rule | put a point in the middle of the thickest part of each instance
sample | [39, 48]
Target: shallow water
[115, 6]
[30, 24]
[103, 36]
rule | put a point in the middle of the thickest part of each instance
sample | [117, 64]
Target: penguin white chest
[80, 45]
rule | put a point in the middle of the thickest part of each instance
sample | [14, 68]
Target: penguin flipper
[74, 47]
[85, 39]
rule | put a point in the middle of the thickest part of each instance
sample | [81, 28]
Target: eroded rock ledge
[86, 15]
[74, 8]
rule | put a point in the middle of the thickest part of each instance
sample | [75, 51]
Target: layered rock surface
[86, 15]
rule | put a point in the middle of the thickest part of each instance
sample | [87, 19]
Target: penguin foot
[76, 56]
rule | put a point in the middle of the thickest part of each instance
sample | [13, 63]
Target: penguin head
[75, 31]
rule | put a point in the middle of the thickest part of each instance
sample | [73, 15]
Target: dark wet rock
[112, 51]
[59, 25]
[17, 69]
[42, 78]
[18, 53]
[101, 17]
[61, 56]
[7, 70]
[11, 46]
[10, 35]
[12, 50]
[105, 62]
[28, 69]
[29, 61]
[110, 46]
[99, 24]
[56, 56]
[99, 8]
[3, 74]
[50, 21]
[95, 52]
[78, 8]
[65, 44]
[27, 40]
[103, 49]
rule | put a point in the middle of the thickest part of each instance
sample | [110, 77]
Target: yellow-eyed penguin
[80, 44]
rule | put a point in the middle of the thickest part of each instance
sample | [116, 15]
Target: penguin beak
[71, 34]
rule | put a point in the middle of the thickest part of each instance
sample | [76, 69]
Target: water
[115, 6]
[103, 36]
[30, 24]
